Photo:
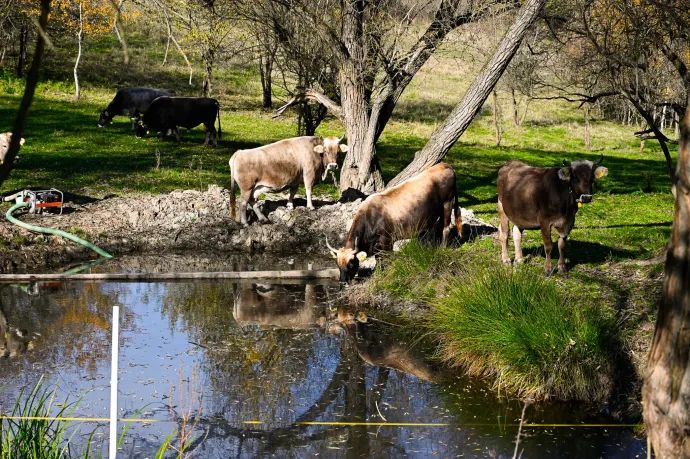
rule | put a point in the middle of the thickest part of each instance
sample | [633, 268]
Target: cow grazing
[132, 103]
[398, 213]
[167, 113]
[279, 166]
[543, 198]
[5, 139]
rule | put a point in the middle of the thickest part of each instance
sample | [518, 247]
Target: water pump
[39, 201]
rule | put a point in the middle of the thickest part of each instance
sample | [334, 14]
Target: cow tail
[458, 213]
[232, 192]
[220, 131]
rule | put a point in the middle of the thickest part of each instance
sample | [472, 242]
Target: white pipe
[113, 382]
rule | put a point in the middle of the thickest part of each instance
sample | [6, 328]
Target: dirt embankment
[178, 221]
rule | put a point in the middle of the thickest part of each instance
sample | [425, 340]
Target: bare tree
[365, 39]
[460, 118]
[666, 392]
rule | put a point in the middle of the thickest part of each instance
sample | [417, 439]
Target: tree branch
[310, 94]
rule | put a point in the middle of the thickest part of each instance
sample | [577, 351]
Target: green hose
[57, 232]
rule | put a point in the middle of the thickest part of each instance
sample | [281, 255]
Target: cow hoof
[310, 207]
[562, 269]
[265, 221]
[519, 261]
[507, 262]
[290, 206]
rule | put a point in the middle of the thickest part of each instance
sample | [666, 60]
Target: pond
[269, 370]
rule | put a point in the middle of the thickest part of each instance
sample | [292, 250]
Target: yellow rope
[319, 423]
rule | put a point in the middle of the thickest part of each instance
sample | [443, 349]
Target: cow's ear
[564, 173]
[361, 256]
[600, 172]
[343, 147]
[318, 149]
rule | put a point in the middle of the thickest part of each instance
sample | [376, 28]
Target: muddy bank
[183, 220]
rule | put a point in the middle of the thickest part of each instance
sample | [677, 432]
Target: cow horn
[329, 245]
[566, 163]
[600, 160]
[341, 139]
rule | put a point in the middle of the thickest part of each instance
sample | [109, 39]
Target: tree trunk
[666, 392]
[80, 38]
[588, 130]
[265, 69]
[208, 63]
[355, 102]
[461, 117]
[516, 109]
[27, 97]
[21, 61]
[497, 119]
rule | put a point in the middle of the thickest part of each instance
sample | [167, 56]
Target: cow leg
[548, 246]
[245, 197]
[517, 240]
[176, 131]
[206, 138]
[447, 216]
[291, 204]
[256, 194]
[561, 250]
[503, 228]
[308, 185]
[134, 123]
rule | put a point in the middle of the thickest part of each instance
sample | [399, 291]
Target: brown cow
[279, 166]
[5, 139]
[399, 213]
[543, 198]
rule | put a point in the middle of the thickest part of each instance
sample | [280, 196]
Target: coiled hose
[57, 232]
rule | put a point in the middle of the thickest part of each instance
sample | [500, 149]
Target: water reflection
[279, 355]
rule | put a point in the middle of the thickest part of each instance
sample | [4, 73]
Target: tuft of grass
[520, 329]
[28, 435]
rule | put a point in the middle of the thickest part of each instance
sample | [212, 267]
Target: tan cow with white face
[279, 166]
[5, 139]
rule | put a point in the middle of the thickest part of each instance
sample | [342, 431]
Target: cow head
[347, 260]
[105, 119]
[5, 139]
[580, 176]
[141, 130]
[329, 153]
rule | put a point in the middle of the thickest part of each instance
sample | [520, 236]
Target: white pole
[113, 382]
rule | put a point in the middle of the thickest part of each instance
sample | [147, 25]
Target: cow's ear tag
[21, 142]
[600, 172]
[334, 255]
[361, 256]
[147, 132]
[564, 173]
[579, 204]
[318, 149]
[343, 147]
[106, 113]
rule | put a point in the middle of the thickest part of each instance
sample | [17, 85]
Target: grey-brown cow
[543, 198]
[5, 139]
[279, 166]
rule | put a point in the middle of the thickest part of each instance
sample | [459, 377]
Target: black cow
[167, 113]
[132, 103]
[543, 198]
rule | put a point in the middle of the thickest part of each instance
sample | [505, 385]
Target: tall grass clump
[413, 271]
[519, 329]
[27, 434]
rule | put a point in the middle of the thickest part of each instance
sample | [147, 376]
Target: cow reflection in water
[13, 341]
[279, 306]
[379, 345]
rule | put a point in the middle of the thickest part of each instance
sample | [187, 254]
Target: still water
[269, 371]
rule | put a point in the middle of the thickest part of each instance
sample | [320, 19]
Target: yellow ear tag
[334, 255]
[579, 204]
[601, 174]
[361, 256]
[147, 132]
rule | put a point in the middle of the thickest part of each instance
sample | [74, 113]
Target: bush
[518, 328]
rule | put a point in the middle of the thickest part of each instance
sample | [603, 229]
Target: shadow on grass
[582, 252]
